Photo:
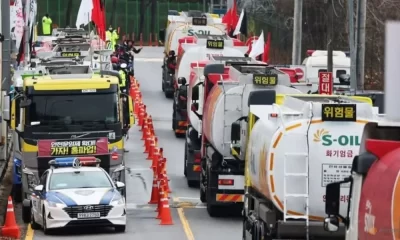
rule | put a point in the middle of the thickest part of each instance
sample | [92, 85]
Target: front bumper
[58, 218]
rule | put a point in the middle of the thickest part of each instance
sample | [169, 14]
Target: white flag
[239, 24]
[258, 47]
[19, 22]
[84, 13]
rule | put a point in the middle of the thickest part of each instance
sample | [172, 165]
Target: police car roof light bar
[65, 162]
[89, 161]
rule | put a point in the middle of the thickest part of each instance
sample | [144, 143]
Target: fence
[127, 14]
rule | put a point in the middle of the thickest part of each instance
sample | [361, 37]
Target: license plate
[89, 215]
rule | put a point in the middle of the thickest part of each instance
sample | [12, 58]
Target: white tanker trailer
[294, 150]
[222, 176]
[192, 157]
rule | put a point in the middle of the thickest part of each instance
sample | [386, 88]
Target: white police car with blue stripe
[73, 193]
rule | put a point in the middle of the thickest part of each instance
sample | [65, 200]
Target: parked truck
[67, 114]
[225, 101]
[297, 144]
[192, 154]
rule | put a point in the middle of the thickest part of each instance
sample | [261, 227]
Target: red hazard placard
[325, 83]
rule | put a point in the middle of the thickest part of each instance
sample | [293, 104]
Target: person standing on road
[46, 24]
[112, 36]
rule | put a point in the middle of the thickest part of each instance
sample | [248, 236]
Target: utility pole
[27, 32]
[297, 32]
[353, 50]
[362, 18]
[6, 46]
[330, 36]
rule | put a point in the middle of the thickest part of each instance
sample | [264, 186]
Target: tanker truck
[192, 154]
[222, 175]
[214, 45]
[373, 212]
[297, 144]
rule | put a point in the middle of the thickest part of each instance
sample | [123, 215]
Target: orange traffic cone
[160, 202]
[155, 197]
[152, 149]
[145, 124]
[10, 228]
[163, 172]
[166, 218]
[147, 143]
[145, 131]
[156, 157]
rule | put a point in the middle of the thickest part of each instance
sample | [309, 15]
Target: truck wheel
[173, 120]
[213, 211]
[162, 86]
[26, 214]
[185, 160]
[193, 183]
[179, 135]
[169, 95]
[17, 193]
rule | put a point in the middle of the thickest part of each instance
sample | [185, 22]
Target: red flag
[266, 49]
[98, 18]
[234, 19]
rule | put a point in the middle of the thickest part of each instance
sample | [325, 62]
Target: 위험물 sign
[339, 112]
[265, 79]
[199, 21]
[72, 147]
[70, 54]
[215, 44]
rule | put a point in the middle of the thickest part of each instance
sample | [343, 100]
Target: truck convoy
[63, 111]
[225, 101]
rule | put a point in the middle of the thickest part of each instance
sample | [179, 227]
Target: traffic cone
[143, 125]
[166, 218]
[159, 206]
[153, 146]
[142, 111]
[10, 228]
[155, 197]
[156, 158]
[147, 144]
[145, 132]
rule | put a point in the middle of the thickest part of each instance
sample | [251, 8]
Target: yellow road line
[29, 233]
[185, 222]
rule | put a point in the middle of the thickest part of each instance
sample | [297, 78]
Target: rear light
[114, 156]
[197, 157]
[274, 115]
[225, 182]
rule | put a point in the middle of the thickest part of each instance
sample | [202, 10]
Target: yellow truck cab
[64, 115]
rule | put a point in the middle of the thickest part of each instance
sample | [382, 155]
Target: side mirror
[331, 224]
[25, 103]
[235, 131]
[182, 80]
[344, 79]
[195, 107]
[195, 93]
[332, 200]
[120, 185]
[161, 35]
[39, 188]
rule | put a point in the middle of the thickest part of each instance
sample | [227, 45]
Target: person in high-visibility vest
[112, 36]
[46, 24]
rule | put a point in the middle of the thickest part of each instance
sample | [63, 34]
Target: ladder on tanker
[298, 156]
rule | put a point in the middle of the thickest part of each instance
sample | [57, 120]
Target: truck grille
[73, 211]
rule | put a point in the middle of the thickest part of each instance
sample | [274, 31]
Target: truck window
[322, 70]
[340, 72]
[77, 109]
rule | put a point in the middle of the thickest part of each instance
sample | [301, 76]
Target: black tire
[169, 94]
[34, 224]
[162, 86]
[213, 211]
[17, 193]
[203, 196]
[184, 161]
[193, 183]
[26, 214]
[119, 228]
[179, 135]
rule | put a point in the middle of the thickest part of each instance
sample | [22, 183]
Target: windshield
[68, 180]
[73, 109]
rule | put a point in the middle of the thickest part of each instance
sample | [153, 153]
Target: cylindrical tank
[330, 147]
[379, 211]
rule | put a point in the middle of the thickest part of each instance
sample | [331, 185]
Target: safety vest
[46, 25]
[112, 37]
[122, 75]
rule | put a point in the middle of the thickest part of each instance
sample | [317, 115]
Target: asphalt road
[191, 220]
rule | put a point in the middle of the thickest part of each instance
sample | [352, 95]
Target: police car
[77, 192]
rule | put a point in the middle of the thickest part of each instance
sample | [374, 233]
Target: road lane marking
[185, 222]
[29, 233]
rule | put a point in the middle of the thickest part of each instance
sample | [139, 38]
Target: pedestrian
[46, 24]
